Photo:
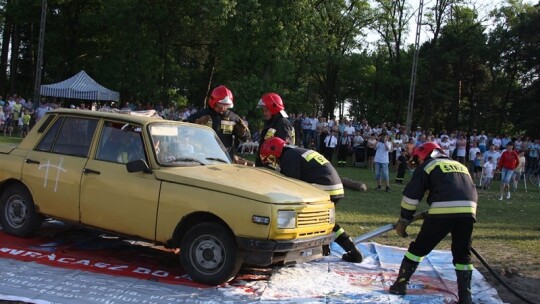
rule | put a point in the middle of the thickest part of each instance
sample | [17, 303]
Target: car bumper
[268, 252]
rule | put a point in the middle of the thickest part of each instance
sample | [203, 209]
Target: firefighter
[313, 168]
[229, 126]
[452, 201]
[275, 121]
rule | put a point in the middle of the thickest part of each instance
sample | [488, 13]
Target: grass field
[504, 228]
[506, 234]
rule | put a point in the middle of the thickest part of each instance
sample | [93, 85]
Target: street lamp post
[39, 61]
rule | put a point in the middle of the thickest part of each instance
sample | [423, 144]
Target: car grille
[313, 233]
[310, 218]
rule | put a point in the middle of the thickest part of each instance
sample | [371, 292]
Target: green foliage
[314, 53]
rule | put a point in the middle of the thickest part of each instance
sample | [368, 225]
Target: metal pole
[410, 106]
[39, 61]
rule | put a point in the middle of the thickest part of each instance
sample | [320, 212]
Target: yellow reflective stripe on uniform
[450, 210]
[409, 203]
[433, 164]
[310, 154]
[407, 206]
[464, 267]
[335, 192]
[329, 187]
[453, 204]
[413, 257]
[270, 133]
[339, 232]
[446, 166]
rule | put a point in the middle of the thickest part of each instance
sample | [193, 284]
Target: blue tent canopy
[80, 86]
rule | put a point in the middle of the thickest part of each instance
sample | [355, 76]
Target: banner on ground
[69, 265]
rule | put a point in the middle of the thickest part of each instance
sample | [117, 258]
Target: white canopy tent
[80, 86]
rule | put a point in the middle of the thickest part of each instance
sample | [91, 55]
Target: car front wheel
[209, 254]
[17, 212]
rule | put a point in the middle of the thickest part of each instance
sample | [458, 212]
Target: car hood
[255, 183]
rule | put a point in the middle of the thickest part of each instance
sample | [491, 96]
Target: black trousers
[342, 153]
[328, 152]
[401, 170]
[434, 229]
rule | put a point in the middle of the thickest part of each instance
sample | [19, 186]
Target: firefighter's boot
[405, 272]
[464, 286]
[352, 253]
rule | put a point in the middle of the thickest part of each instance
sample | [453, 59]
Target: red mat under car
[60, 245]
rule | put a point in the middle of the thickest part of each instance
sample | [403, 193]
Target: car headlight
[286, 219]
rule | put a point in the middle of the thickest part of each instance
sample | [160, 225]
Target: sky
[483, 6]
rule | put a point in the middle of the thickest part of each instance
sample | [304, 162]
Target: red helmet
[424, 150]
[221, 95]
[271, 149]
[273, 102]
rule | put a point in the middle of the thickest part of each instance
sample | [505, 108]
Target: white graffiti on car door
[49, 165]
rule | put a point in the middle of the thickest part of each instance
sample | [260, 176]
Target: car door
[52, 170]
[111, 197]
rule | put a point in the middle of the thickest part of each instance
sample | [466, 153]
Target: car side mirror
[138, 166]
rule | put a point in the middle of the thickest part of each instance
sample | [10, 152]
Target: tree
[392, 20]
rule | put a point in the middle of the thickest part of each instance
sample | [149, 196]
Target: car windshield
[180, 145]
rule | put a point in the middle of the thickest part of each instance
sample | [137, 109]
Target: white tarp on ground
[80, 86]
[328, 280]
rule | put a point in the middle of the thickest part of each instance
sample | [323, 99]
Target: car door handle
[31, 161]
[88, 171]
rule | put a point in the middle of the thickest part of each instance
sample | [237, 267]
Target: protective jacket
[225, 126]
[311, 167]
[451, 191]
[278, 126]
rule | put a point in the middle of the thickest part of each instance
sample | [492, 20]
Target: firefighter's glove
[401, 226]
[203, 119]
[240, 128]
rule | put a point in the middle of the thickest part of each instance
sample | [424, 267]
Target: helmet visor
[227, 102]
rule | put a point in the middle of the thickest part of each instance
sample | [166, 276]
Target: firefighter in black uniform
[275, 121]
[230, 127]
[311, 167]
[452, 201]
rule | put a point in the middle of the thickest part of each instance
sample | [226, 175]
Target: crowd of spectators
[472, 148]
[18, 115]
[342, 137]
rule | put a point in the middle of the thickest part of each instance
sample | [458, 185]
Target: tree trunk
[6, 35]
[14, 66]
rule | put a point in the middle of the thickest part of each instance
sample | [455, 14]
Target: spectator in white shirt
[41, 110]
[472, 154]
[487, 173]
[383, 147]
[330, 143]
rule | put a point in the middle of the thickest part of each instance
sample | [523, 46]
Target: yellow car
[166, 182]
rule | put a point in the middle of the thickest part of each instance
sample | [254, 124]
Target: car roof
[139, 119]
